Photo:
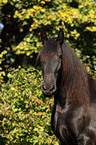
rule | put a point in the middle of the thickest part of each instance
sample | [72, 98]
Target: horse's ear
[60, 38]
[43, 36]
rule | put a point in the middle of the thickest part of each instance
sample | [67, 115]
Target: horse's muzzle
[48, 91]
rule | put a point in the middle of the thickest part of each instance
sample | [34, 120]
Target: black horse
[74, 114]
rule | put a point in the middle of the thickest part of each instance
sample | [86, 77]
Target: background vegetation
[24, 112]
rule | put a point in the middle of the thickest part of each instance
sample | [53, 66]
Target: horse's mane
[74, 78]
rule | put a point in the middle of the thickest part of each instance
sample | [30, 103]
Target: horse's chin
[49, 95]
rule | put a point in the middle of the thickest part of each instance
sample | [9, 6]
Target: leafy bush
[2, 73]
[24, 113]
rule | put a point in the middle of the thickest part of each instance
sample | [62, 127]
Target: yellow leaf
[43, 10]
[28, 53]
[9, 75]
[42, 2]
[12, 88]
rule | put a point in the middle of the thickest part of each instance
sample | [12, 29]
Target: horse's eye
[60, 56]
[58, 67]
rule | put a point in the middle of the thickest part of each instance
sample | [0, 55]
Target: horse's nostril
[52, 88]
[48, 90]
[43, 87]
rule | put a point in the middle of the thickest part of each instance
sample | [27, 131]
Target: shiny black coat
[74, 114]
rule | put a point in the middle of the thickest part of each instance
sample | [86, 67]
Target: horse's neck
[61, 97]
[74, 82]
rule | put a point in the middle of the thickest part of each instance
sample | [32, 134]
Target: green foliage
[2, 73]
[24, 113]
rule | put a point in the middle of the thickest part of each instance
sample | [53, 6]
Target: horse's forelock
[49, 49]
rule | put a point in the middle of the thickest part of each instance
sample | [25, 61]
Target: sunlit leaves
[25, 116]
[2, 73]
[56, 14]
